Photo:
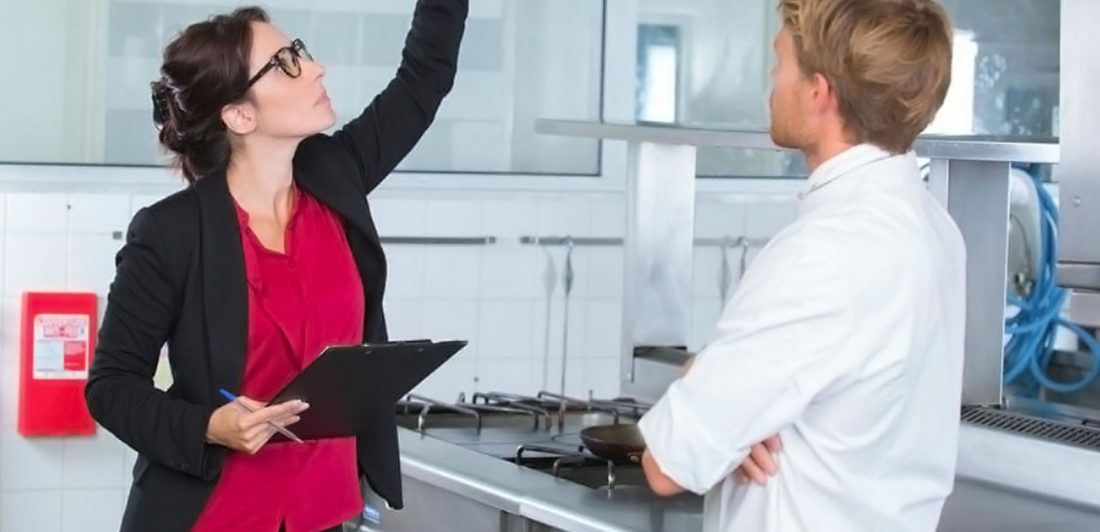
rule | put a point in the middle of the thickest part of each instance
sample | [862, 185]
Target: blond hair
[888, 61]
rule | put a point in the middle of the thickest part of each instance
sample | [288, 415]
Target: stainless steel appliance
[514, 447]
[508, 463]
[540, 432]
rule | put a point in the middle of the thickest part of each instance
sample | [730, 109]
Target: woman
[266, 258]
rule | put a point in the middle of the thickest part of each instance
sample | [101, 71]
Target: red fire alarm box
[57, 339]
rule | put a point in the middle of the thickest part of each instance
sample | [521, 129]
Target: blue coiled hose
[1031, 331]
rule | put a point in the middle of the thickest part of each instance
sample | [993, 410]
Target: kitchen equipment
[567, 286]
[591, 442]
[550, 282]
[743, 243]
[724, 270]
[617, 443]
[724, 276]
[1024, 234]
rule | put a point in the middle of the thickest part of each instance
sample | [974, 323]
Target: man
[845, 338]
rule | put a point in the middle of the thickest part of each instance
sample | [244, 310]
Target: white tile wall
[82, 510]
[577, 331]
[495, 296]
[604, 328]
[3, 238]
[37, 213]
[707, 262]
[564, 217]
[601, 375]
[98, 213]
[35, 262]
[506, 329]
[400, 217]
[39, 511]
[451, 319]
[405, 318]
[129, 456]
[406, 269]
[93, 462]
[9, 394]
[765, 219]
[704, 317]
[30, 463]
[715, 219]
[91, 261]
[510, 218]
[2, 425]
[576, 382]
[454, 218]
[10, 310]
[608, 218]
[511, 271]
[453, 272]
[605, 272]
[508, 375]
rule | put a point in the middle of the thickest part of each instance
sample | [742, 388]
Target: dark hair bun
[205, 68]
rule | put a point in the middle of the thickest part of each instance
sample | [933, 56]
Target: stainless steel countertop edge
[507, 487]
[1051, 470]
[557, 517]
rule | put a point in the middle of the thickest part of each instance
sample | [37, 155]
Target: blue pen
[233, 399]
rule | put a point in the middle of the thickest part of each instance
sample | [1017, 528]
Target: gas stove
[540, 432]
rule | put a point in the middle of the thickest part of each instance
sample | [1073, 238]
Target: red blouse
[299, 302]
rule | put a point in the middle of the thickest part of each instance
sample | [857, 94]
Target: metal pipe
[440, 240]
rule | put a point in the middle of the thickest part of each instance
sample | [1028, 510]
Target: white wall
[494, 296]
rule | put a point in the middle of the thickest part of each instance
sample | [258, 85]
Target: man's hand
[760, 463]
[660, 483]
[687, 365]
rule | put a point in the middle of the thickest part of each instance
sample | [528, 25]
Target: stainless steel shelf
[615, 241]
[440, 240]
[565, 240]
[731, 242]
[964, 148]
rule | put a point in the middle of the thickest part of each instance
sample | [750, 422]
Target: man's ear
[824, 97]
[240, 118]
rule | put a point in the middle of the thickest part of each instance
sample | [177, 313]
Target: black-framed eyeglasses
[287, 58]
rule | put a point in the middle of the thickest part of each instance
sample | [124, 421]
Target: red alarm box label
[57, 339]
[61, 346]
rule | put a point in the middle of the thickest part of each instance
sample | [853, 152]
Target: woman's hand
[230, 426]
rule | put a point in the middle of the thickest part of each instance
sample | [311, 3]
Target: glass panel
[88, 101]
[1005, 72]
[1014, 73]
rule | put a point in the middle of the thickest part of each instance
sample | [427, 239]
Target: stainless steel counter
[540, 497]
[560, 504]
[979, 507]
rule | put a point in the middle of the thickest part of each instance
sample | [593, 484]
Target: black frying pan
[618, 443]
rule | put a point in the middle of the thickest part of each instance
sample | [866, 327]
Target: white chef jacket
[845, 337]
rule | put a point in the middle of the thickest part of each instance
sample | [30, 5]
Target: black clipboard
[347, 385]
